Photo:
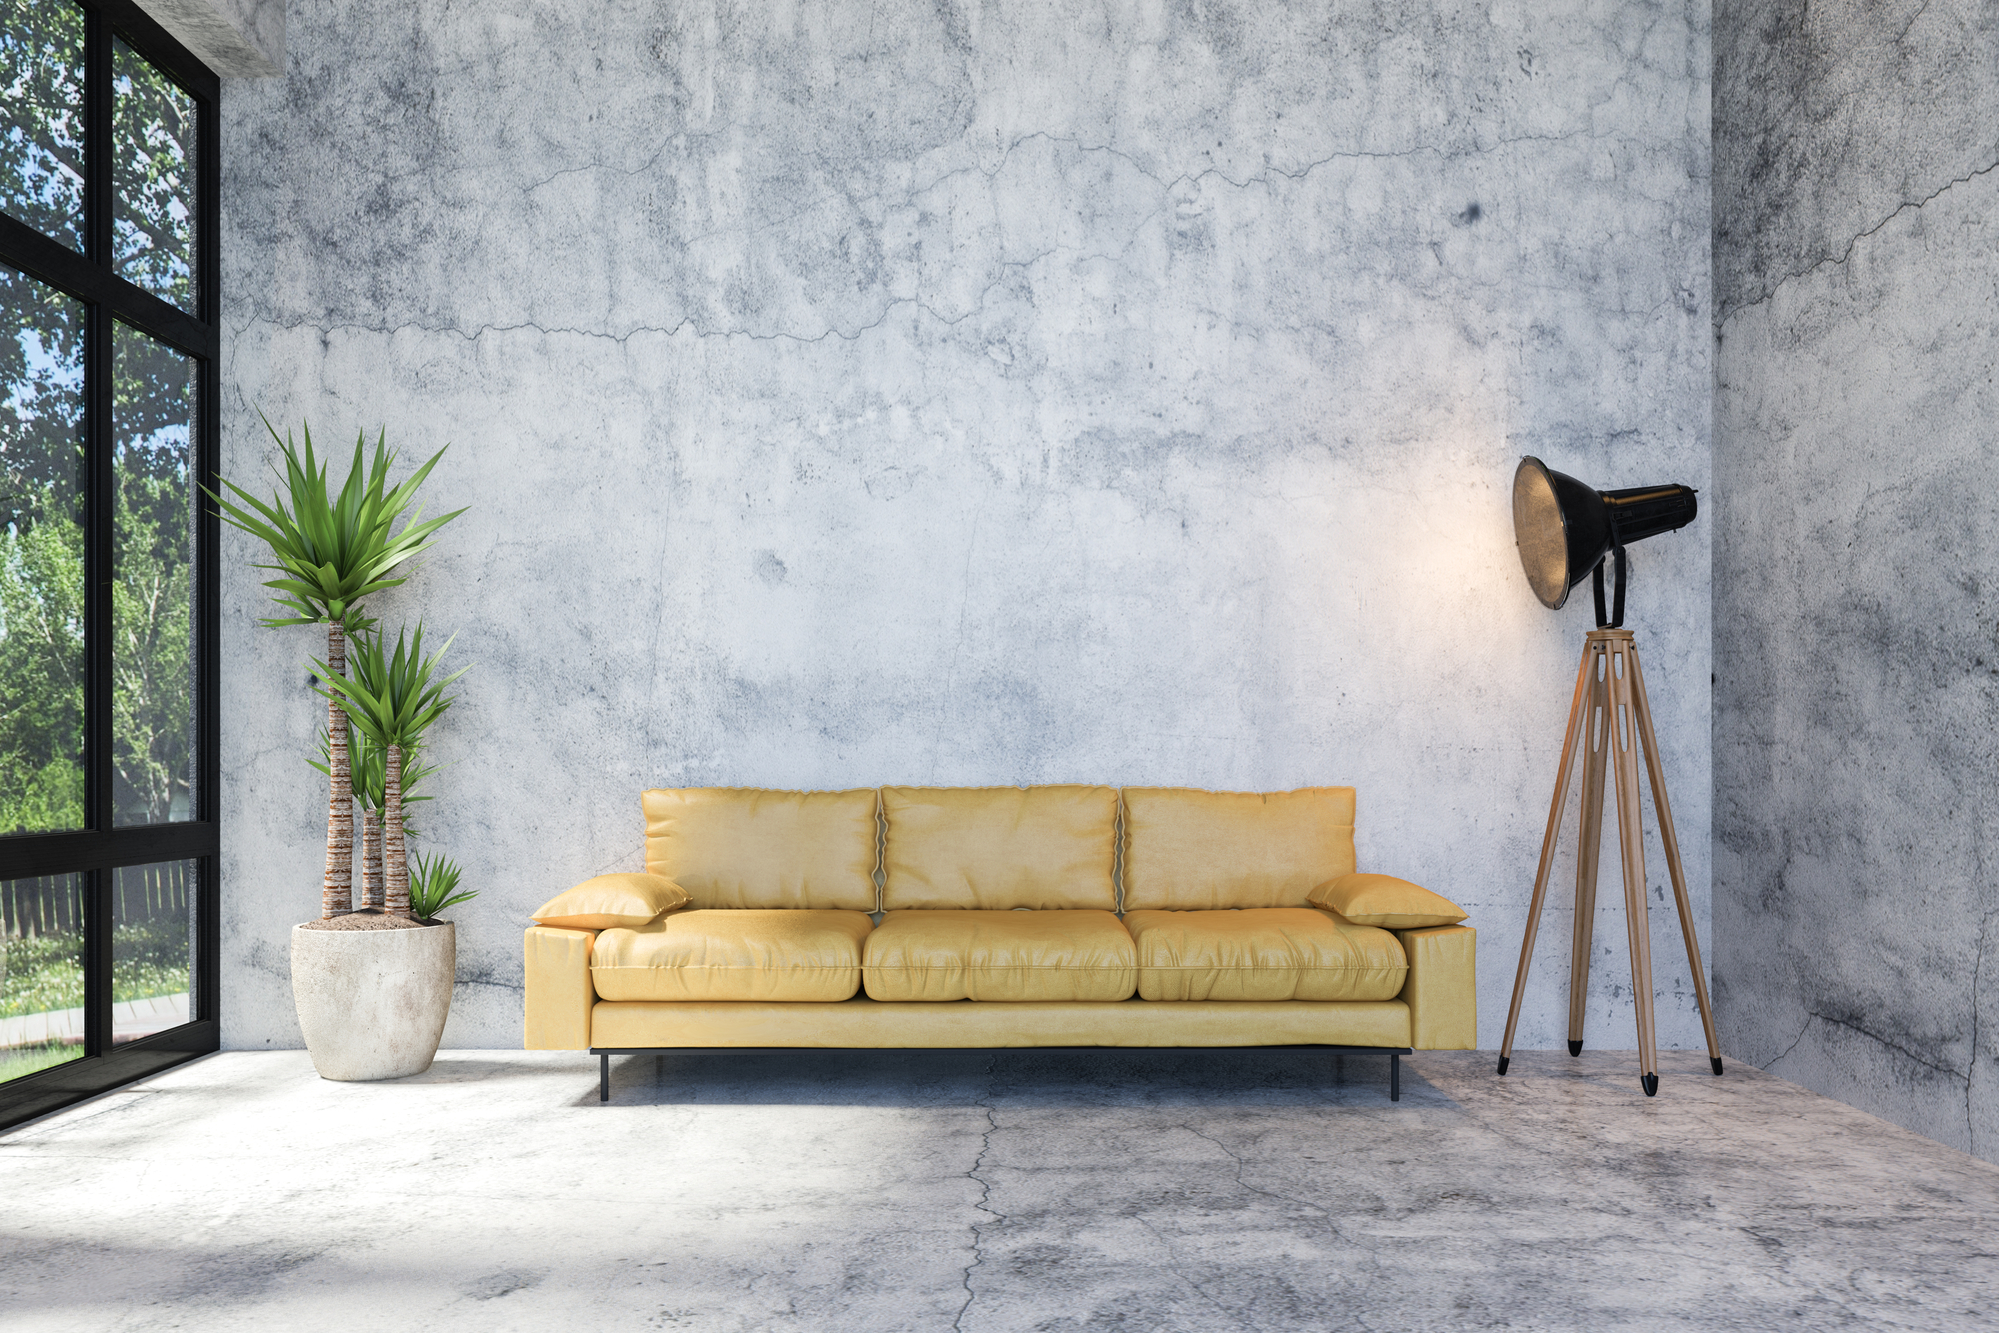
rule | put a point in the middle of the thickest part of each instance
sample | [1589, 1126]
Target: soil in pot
[368, 918]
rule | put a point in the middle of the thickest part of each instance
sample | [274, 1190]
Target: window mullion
[208, 464]
[99, 519]
[97, 410]
[97, 184]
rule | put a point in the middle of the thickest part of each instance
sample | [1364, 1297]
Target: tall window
[107, 552]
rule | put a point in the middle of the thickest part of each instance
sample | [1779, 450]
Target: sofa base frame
[1394, 1054]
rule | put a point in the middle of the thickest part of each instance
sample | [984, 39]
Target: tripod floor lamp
[1565, 531]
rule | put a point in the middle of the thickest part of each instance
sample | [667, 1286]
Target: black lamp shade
[1564, 528]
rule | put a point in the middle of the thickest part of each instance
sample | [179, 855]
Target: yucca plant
[329, 553]
[369, 765]
[392, 699]
[434, 885]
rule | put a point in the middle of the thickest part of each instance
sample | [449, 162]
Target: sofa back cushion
[1188, 850]
[995, 848]
[748, 847]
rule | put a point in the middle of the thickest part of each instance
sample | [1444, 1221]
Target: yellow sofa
[1000, 916]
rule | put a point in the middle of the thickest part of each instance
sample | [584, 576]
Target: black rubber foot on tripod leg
[1651, 1084]
[1715, 1060]
[1503, 1062]
[1575, 1048]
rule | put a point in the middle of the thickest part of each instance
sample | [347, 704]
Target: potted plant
[372, 986]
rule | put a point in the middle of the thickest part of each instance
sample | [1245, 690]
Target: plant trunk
[371, 857]
[337, 893]
[395, 866]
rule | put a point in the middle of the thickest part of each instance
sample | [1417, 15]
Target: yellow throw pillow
[1385, 901]
[609, 901]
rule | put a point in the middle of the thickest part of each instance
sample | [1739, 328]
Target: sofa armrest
[559, 993]
[1442, 988]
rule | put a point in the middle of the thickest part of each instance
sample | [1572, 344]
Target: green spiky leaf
[434, 885]
[331, 551]
[391, 699]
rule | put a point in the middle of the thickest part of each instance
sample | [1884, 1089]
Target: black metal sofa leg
[604, 1077]
[1395, 1076]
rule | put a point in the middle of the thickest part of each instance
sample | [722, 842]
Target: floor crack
[1166, 1242]
[984, 1205]
[1243, 1184]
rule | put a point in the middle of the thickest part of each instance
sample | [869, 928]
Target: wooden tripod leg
[1655, 770]
[1562, 774]
[1596, 736]
[1631, 837]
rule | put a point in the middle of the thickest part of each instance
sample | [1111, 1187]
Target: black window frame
[100, 847]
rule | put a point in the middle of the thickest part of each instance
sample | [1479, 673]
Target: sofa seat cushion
[982, 955]
[1271, 953]
[740, 954]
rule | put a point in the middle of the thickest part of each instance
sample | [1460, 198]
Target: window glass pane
[152, 150]
[153, 926]
[41, 557]
[152, 612]
[41, 116]
[41, 993]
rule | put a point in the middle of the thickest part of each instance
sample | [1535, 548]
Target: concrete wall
[1856, 218]
[857, 393]
[235, 38]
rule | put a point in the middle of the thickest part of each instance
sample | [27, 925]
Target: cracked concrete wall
[862, 393]
[1856, 610]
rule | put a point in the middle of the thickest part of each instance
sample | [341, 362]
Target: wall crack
[1794, 1043]
[1971, 1064]
[1166, 187]
[1830, 261]
[1875, 1037]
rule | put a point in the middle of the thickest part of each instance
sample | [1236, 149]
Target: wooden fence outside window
[53, 905]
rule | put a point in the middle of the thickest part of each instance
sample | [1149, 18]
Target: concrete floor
[982, 1191]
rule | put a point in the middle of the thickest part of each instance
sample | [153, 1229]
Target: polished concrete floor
[981, 1191]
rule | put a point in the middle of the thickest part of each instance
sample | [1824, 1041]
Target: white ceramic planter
[372, 1003]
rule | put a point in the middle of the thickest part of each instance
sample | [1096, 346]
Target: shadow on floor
[1111, 1077]
[455, 1067]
